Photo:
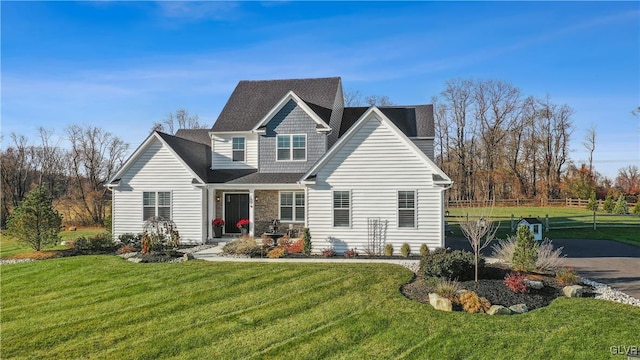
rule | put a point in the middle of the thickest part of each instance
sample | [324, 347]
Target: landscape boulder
[498, 310]
[440, 303]
[187, 257]
[535, 284]
[573, 291]
[519, 308]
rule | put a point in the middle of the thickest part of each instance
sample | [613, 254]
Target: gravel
[605, 292]
[15, 261]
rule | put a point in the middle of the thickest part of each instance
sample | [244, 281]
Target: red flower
[218, 222]
[242, 223]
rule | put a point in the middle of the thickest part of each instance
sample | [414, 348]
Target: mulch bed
[491, 286]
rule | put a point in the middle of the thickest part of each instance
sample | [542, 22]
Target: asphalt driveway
[605, 261]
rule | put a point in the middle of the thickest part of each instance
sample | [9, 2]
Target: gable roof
[412, 120]
[439, 176]
[196, 157]
[291, 96]
[530, 220]
[252, 100]
[196, 135]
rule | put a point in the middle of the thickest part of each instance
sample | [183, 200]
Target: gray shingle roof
[252, 100]
[196, 155]
[413, 121]
[197, 135]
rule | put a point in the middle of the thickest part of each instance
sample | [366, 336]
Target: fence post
[467, 217]
[512, 223]
[594, 220]
[546, 220]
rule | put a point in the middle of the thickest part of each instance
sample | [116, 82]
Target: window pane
[164, 212]
[300, 213]
[299, 199]
[341, 199]
[283, 141]
[149, 198]
[238, 143]
[284, 154]
[406, 218]
[299, 154]
[164, 198]
[286, 198]
[238, 155]
[341, 217]
[286, 213]
[299, 141]
[148, 212]
[406, 199]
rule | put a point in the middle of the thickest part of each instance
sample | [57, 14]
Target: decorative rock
[535, 284]
[72, 228]
[573, 291]
[440, 303]
[519, 308]
[188, 256]
[498, 310]
[134, 259]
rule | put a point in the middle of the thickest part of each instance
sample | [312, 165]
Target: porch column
[251, 212]
[211, 210]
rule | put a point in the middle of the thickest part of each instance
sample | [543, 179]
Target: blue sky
[124, 65]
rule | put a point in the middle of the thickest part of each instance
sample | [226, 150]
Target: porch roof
[248, 177]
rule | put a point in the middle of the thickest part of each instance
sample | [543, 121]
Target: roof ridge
[294, 79]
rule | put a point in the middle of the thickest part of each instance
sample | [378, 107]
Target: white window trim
[333, 208]
[293, 207]
[244, 150]
[157, 203]
[415, 210]
[290, 159]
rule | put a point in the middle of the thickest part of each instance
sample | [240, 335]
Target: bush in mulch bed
[160, 256]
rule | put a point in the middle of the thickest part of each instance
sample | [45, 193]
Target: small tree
[306, 239]
[479, 233]
[608, 204]
[593, 202]
[525, 254]
[636, 208]
[621, 206]
[35, 222]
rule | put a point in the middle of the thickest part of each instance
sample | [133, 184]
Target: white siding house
[376, 165]
[155, 168]
[224, 146]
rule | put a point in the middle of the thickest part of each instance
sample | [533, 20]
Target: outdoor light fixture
[218, 198]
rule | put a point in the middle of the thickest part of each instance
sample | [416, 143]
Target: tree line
[497, 143]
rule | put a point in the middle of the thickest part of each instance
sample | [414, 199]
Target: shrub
[503, 249]
[457, 264]
[159, 234]
[306, 239]
[548, 258]
[566, 276]
[276, 253]
[636, 207]
[516, 283]
[608, 204]
[424, 250]
[296, 247]
[98, 243]
[246, 246]
[525, 253]
[35, 222]
[126, 249]
[472, 303]
[405, 250]
[108, 222]
[388, 250]
[593, 202]
[448, 289]
[351, 253]
[485, 304]
[130, 239]
[621, 207]
[284, 241]
[328, 252]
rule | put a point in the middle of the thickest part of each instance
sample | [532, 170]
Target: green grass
[10, 246]
[104, 307]
[620, 228]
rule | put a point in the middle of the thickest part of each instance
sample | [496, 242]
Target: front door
[236, 207]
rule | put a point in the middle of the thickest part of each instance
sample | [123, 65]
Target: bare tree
[589, 144]
[480, 233]
[378, 100]
[95, 156]
[352, 98]
[180, 120]
[628, 180]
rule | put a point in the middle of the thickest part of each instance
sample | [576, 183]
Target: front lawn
[105, 307]
[9, 246]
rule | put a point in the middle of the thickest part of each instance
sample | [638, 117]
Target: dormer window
[238, 144]
[292, 147]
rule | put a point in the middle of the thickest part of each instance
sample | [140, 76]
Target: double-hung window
[292, 206]
[238, 148]
[407, 209]
[341, 208]
[156, 204]
[292, 147]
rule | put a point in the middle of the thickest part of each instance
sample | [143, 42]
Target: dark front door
[236, 207]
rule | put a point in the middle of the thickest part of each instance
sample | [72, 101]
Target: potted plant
[218, 223]
[243, 225]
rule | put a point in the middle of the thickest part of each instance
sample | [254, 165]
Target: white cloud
[198, 10]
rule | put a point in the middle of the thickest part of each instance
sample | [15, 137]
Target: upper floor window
[407, 209]
[292, 147]
[238, 149]
[156, 204]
